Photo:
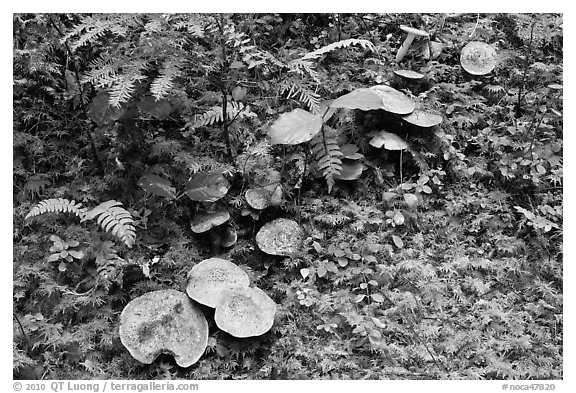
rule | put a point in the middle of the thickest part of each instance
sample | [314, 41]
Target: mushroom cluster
[241, 310]
[171, 322]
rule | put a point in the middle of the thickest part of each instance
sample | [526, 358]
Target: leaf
[156, 185]
[362, 99]
[159, 109]
[377, 297]
[398, 218]
[207, 187]
[396, 239]
[305, 272]
[359, 298]
[389, 141]
[321, 272]
[54, 257]
[294, 127]
[101, 112]
[76, 254]
[411, 200]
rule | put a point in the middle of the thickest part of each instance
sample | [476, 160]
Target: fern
[303, 94]
[115, 219]
[111, 217]
[365, 44]
[57, 205]
[327, 154]
[235, 110]
[163, 83]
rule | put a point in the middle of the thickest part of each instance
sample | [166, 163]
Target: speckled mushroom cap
[393, 101]
[165, 321]
[245, 312]
[209, 278]
[280, 237]
[208, 221]
[478, 58]
[423, 119]
[409, 74]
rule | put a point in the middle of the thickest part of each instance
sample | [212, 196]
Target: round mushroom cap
[208, 221]
[393, 101]
[412, 30]
[245, 312]
[423, 119]
[409, 74]
[257, 198]
[389, 141]
[280, 237]
[478, 58]
[209, 278]
[165, 321]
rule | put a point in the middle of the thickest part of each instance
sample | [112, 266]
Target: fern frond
[235, 110]
[57, 205]
[304, 67]
[365, 44]
[103, 71]
[115, 219]
[301, 93]
[327, 154]
[162, 85]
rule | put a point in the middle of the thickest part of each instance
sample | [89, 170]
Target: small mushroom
[230, 237]
[245, 312]
[393, 101]
[409, 74]
[280, 237]
[210, 224]
[478, 58]
[389, 141]
[412, 33]
[209, 278]
[423, 119]
[165, 321]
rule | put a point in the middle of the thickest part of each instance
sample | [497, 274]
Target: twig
[477, 20]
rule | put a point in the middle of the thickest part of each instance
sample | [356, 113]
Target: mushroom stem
[405, 46]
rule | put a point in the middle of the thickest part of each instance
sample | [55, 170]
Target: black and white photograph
[287, 196]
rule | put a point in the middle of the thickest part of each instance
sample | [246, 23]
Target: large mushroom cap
[208, 221]
[280, 237]
[409, 74]
[245, 312]
[393, 101]
[412, 30]
[423, 119]
[209, 278]
[165, 321]
[478, 58]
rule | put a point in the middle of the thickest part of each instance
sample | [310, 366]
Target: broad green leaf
[101, 112]
[362, 99]
[398, 218]
[294, 127]
[207, 187]
[156, 185]
[159, 109]
[321, 272]
[305, 272]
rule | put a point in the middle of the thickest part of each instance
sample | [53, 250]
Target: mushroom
[210, 223]
[230, 237]
[412, 33]
[409, 74]
[280, 237]
[165, 321]
[423, 119]
[393, 101]
[245, 312]
[478, 58]
[209, 278]
[389, 141]
[260, 198]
